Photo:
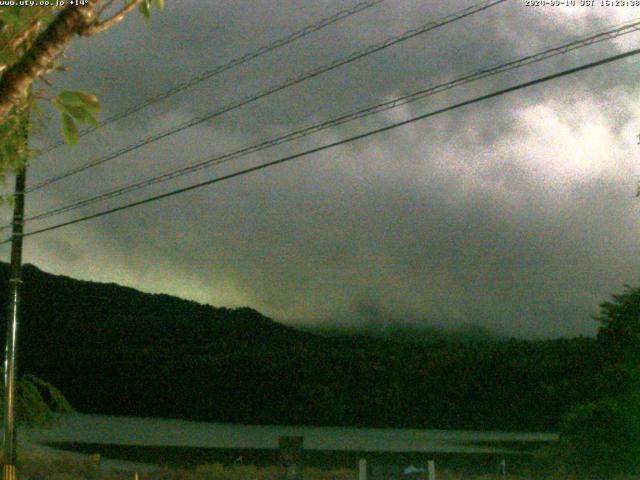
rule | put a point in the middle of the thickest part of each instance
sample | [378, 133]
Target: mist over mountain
[409, 333]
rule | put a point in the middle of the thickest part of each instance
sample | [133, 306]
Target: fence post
[431, 467]
[362, 469]
[291, 454]
[95, 466]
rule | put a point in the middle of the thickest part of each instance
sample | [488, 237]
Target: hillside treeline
[115, 350]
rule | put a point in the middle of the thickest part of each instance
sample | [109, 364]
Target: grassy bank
[85, 467]
[89, 469]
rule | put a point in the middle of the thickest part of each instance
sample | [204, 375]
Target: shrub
[37, 402]
[602, 439]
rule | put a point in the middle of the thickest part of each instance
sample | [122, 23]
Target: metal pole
[9, 469]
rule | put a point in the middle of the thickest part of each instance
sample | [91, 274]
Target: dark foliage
[602, 438]
[115, 350]
[620, 325]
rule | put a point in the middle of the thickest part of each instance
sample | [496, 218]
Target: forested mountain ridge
[112, 314]
[113, 349]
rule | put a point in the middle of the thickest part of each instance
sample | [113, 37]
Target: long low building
[136, 439]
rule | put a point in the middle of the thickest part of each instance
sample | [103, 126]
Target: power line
[337, 143]
[612, 32]
[274, 89]
[235, 62]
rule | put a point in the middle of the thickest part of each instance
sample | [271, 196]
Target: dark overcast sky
[517, 214]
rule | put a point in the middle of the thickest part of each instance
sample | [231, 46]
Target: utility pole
[15, 283]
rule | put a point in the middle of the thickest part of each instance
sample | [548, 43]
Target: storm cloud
[517, 214]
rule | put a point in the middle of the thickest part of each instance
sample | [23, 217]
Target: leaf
[59, 105]
[69, 129]
[70, 98]
[145, 8]
[7, 55]
[90, 101]
[82, 100]
[10, 18]
[91, 120]
[82, 114]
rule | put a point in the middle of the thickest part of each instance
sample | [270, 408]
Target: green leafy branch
[31, 43]
[76, 106]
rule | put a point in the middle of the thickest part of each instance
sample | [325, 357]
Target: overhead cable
[432, 25]
[235, 62]
[612, 32]
[361, 136]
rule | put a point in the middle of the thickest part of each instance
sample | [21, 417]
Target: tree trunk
[49, 45]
